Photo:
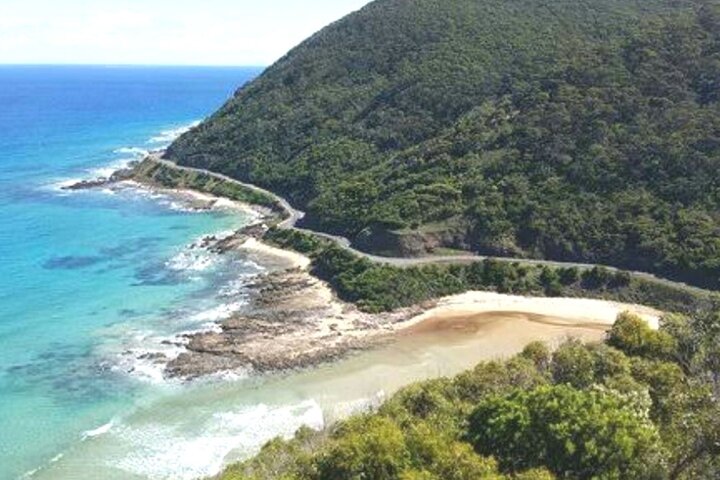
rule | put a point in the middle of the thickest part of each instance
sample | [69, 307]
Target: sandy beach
[295, 260]
[296, 320]
[469, 310]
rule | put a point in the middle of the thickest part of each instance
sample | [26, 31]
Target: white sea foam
[192, 261]
[238, 287]
[148, 371]
[144, 354]
[137, 152]
[60, 185]
[221, 312]
[162, 451]
[131, 154]
[196, 257]
[31, 473]
[106, 171]
[168, 136]
[229, 376]
[99, 172]
[140, 364]
[346, 409]
[101, 430]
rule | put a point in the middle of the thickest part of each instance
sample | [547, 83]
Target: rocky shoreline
[292, 320]
[121, 175]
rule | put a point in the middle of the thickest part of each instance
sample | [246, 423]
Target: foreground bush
[578, 434]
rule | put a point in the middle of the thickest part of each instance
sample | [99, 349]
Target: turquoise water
[90, 281]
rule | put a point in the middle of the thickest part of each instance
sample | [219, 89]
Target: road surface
[294, 216]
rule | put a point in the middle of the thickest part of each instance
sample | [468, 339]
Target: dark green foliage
[365, 448]
[581, 131]
[573, 364]
[577, 434]
[301, 242]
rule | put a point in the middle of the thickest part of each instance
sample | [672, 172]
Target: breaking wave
[170, 135]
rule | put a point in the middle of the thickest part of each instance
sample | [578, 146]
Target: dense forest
[563, 129]
[641, 406]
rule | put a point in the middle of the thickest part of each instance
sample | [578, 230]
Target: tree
[447, 458]
[573, 364]
[578, 434]
[365, 447]
[634, 336]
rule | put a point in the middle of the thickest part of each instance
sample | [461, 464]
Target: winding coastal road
[294, 216]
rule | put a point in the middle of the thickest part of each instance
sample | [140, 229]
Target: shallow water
[90, 281]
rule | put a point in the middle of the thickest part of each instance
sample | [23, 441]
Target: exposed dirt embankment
[412, 243]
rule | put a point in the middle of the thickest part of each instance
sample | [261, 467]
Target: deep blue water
[91, 280]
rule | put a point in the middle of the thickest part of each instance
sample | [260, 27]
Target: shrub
[577, 434]
[367, 447]
[634, 336]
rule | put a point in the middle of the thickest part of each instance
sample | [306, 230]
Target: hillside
[570, 130]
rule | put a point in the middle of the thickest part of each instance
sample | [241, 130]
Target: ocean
[92, 280]
[94, 284]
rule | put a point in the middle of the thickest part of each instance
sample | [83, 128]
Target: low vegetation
[154, 173]
[642, 406]
[376, 287]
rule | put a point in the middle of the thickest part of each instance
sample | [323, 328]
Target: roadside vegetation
[154, 173]
[376, 287]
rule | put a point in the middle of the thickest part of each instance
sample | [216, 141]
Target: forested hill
[563, 129]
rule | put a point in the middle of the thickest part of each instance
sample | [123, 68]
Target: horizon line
[129, 65]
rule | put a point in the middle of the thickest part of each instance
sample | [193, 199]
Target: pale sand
[475, 326]
[296, 260]
[212, 201]
[573, 310]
